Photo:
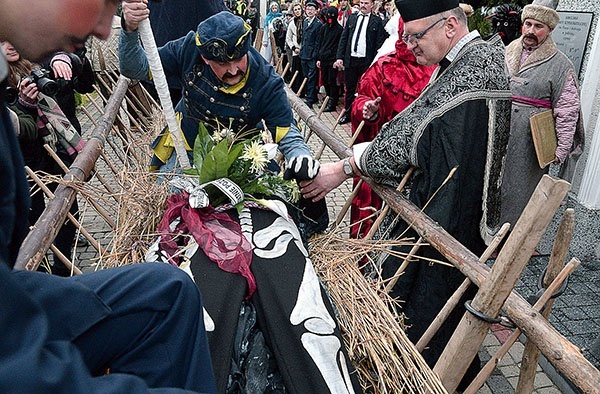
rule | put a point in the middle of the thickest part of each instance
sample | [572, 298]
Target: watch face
[347, 167]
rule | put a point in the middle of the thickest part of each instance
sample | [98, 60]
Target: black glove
[301, 168]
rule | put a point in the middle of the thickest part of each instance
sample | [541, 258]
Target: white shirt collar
[460, 44]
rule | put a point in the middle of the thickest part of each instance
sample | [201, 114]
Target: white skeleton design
[319, 341]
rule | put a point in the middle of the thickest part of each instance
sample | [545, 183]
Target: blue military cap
[223, 37]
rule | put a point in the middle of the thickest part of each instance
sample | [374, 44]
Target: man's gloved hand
[301, 168]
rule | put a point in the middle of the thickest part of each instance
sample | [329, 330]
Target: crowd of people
[433, 95]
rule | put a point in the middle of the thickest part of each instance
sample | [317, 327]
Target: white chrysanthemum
[217, 136]
[257, 154]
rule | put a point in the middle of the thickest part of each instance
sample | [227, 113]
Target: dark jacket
[175, 18]
[376, 35]
[311, 38]
[82, 82]
[330, 39]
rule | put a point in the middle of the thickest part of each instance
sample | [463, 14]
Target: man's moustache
[531, 37]
[229, 75]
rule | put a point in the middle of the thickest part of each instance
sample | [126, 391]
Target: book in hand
[543, 132]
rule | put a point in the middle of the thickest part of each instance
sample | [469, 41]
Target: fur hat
[543, 11]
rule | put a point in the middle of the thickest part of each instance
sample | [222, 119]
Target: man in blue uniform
[122, 330]
[225, 82]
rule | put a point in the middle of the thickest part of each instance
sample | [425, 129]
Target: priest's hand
[329, 177]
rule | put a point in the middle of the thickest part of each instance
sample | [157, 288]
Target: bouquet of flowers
[233, 167]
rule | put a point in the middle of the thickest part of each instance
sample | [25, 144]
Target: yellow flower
[257, 154]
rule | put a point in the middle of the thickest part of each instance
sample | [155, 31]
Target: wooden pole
[286, 69]
[489, 367]
[302, 86]
[520, 245]
[258, 41]
[62, 165]
[348, 203]
[65, 169]
[36, 243]
[558, 256]
[296, 73]
[455, 298]
[322, 107]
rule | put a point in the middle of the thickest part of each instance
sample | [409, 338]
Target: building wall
[586, 240]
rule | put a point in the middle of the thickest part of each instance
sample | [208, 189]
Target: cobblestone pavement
[576, 314]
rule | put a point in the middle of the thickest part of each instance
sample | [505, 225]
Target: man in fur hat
[455, 134]
[542, 78]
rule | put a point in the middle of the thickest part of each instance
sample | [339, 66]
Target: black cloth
[352, 75]
[58, 333]
[82, 82]
[355, 67]
[418, 9]
[278, 280]
[330, 39]
[14, 195]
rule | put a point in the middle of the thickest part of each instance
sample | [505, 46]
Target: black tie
[360, 25]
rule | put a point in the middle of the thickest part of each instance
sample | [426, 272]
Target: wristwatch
[348, 170]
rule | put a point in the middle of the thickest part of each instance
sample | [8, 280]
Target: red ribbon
[216, 233]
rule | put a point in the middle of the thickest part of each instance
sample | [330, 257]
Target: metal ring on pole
[541, 287]
[480, 315]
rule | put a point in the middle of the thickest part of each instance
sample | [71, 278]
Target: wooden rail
[50, 222]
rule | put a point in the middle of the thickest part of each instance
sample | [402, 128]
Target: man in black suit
[309, 49]
[361, 38]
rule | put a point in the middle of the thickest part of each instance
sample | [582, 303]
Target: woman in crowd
[34, 131]
[274, 12]
[292, 40]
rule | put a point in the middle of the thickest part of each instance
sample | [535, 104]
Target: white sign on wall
[571, 35]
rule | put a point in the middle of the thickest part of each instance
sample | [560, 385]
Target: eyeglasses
[414, 38]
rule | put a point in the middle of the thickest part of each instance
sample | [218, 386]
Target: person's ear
[450, 26]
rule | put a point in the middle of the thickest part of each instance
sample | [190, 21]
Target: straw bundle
[386, 360]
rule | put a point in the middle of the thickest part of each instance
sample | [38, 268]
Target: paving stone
[500, 385]
[548, 390]
[513, 381]
[510, 371]
[542, 381]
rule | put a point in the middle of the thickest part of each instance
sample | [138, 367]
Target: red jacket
[398, 80]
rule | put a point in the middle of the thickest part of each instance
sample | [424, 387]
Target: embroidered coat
[460, 122]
